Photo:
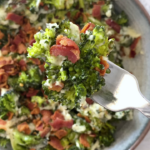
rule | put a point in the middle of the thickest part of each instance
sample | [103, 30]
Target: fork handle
[145, 109]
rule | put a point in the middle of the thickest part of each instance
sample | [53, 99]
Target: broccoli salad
[53, 57]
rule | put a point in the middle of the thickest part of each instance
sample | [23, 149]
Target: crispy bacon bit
[35, 121]
[14, 17]
[39, 125]
[56, 115]
[133, 47]
[44, 132]
[31, 105]
[35, 61]
[41, 67]
[22, 48]
[31, 92]
[3, 124]
[89, 26]
[10, 115]
[1, 35]
[23, 65]
[35, 111]
[89, 101]
[96, 11]
[46, 115]
[17, 40]
[114, 25]
[85, 117]
[60, 133]
[6, 61]
[83, 140]
[3, 78]
[59, 123]
[24, 127]
[66, 47]
[56, 87]
[31, 42]
[106, 66]
[55, 143]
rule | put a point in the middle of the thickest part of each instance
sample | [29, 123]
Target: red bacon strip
[46, 115]
[6, 61]
[113, 25]
[56, 115]
[24, 127]
[55, 143]
[14, 17]
[60, 133]
[3, 124]
[83, 140]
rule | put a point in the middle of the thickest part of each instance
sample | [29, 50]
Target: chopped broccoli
[31, 78]
[122, 18]
[8, 103]
[24, 111]
[20, 141]
[38, 99]
[4, 142]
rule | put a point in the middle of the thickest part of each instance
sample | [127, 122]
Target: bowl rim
[147, 126]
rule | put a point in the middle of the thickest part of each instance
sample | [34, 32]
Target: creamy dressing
[78, 128]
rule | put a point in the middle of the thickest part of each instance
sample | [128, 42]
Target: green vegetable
[24, 111]
[40, 100]
[122, 18]
[4, 142]
[48, 147]
[20, 141]
[8, 103]
[31, 78]
[74, 148]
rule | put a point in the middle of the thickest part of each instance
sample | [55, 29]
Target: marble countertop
[145, 144]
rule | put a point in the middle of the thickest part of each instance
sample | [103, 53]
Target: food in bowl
[59, 115]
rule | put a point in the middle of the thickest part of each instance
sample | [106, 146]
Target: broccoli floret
[122, 18]
[38, 99]
[106, 137]
[31, 78]
[4, 142]
[24, 111]
[8, 103]
[20, 141]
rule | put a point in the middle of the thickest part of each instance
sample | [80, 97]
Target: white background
[145, 144]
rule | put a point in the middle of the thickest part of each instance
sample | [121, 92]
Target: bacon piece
[24, 127]
[41, 67]
[56, 115]
[31, 92]
[39, 125]
[60, 133]
[35, 61]
[17, 40]
[85, 117]
[14, 17]
[89, 101]
[31, 42]
[31, 105]
[10, 69]
[10, 115]
[113, 25]
[66, 47]
[106, 66]
[46, 115]
[3, 78]
[64, 41]
[96, 11]
[22, 48]
[6, 61]
[83, 140]
[56, 87]
[72, 54]
[1, 35]
[35, 111]
[55, 143]
[59, 123]
[23, 65]
[26, 27]
[44, 132]
[13, 48]
[3, 124]
[133, 47]
[89, 26]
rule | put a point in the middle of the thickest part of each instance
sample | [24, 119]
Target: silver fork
[121, 92]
